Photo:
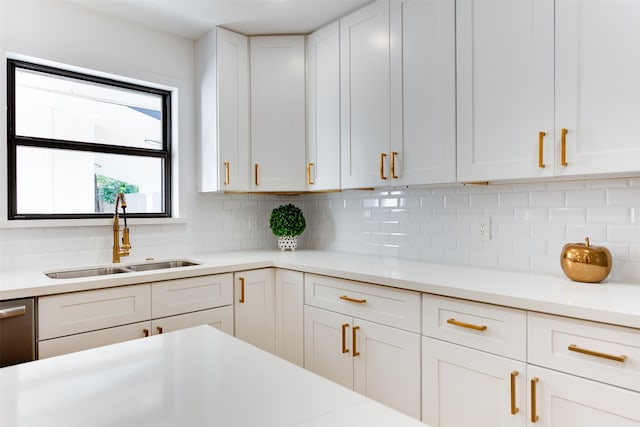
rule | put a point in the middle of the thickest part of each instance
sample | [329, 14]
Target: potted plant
[287, 222]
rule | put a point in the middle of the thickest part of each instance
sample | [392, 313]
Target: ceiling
[193, 18]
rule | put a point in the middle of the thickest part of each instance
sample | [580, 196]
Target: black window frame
[14, 141]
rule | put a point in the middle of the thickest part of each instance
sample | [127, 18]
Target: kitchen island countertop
[193, 377]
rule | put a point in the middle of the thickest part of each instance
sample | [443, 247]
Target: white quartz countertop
[610, 302]
[193, 377]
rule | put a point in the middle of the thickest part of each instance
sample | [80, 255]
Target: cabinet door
[566, 400]
[289, 316]
[221, 318]
[386, 365]
[327, 345]
[364, 70]
[504, 89]
[597, 86]
[87, 340]
[466, 387]
[423, 92]
[278, 113]
[222, 99]
[254, 308]
[323, 109]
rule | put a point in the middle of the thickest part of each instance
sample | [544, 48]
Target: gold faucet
[118, 250]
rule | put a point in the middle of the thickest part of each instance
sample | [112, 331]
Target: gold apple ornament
[585, 263]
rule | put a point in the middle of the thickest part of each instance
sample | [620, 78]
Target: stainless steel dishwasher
[17, 331]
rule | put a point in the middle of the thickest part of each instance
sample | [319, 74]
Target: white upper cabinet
[323, 109]
[223, 110]
[364, 70]
[505, 89]
[422, 92]
[278, 113]
[597, 86]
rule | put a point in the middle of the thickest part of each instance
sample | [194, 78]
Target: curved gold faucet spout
[120, 251]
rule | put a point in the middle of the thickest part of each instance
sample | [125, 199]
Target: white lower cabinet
[466, 387]
[220, 318]
[379, 361]
[289, 316]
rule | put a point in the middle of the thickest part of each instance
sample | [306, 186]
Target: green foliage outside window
[107, 188]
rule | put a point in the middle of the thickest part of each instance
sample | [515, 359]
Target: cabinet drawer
[381, 304]
[192, 294]
[221, 318]
[87, 340]
[486, 327]
[606, 353]
[67, 314]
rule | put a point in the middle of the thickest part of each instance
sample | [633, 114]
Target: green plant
[108, 187]
[287, 220]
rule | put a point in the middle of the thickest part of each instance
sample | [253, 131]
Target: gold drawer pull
[344, 338]
[534, 416]
[467, 325]
[309, 180]
[563, 145]
[622, 358]
[159, 329]
[355, 339]
[357, 301]
[394, 154]
[227, 173]
[514, 408]
[145, 332]
[541, 149]
[382, 157]
[241, 300]
[256, 173]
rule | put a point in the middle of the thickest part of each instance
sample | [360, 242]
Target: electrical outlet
[253, 222]
[484, 228]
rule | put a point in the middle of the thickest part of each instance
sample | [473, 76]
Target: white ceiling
[193, 18]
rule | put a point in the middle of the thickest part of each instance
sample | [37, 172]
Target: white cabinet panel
[221, 318]
[289, 315]
[254, 307]
[278, 113]
[173, 297]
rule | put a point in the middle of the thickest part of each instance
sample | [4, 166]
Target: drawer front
[606, 353]
[486, 327]
[74, 313]
[381, 304]
[221, 318]
[192, 294]
[85, 341]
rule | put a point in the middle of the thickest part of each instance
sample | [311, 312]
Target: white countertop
[193, 377]
[609, 302]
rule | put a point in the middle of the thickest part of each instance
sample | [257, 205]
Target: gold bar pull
[393, 164]
[357, 301]
[159, 329]
[256, 173]
[382, 157]
[534, 416]
[145, 332]
[241, 300]
[344, 338]
[309, 181]
[563, 142]
[355, 339]
[514, 408]
[541, 149]
[227, 175]
[622, 358]
[467, 325]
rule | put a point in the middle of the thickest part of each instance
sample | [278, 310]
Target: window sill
[98, 222]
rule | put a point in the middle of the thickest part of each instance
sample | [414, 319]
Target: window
[75, 140]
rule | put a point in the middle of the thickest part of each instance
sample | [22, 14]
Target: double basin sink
[103, 271]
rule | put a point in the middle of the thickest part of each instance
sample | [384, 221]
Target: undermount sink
[86, 272]
[161, 264]
[103, 271]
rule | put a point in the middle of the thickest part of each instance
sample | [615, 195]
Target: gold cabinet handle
[256, 168]
[241, 300]
[467, 325]
[622, 358]
[159, 329]
[344, 338]
[541, 149]
[309, 181]
[382, 157]
[563, 142]
[227, 173]
[534, 416]
[514, 408]
[357, 301]
[354, 341]
[145, 332]
[394, 154]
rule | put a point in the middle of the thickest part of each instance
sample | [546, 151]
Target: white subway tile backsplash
[586, 198]
[547, 199]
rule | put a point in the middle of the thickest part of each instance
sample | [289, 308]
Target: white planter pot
[288, 242]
